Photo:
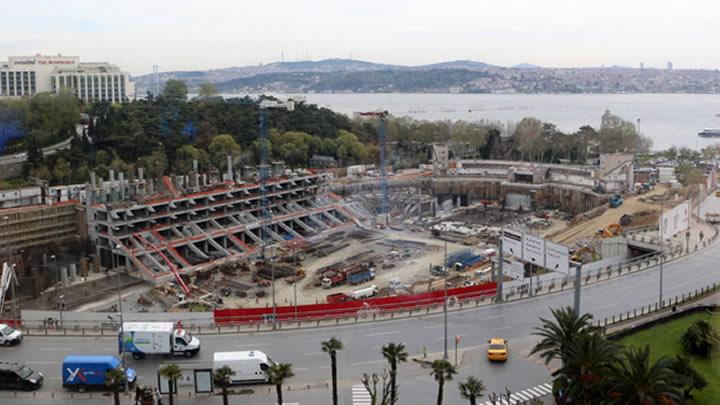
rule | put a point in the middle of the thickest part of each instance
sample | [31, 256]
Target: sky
[207, 34]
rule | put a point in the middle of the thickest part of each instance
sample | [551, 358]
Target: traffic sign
[534, 250]
[512, 242]
[557, 257]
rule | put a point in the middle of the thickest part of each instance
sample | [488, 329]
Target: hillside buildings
[24, 76]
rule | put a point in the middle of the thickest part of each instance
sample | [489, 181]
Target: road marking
[42, 362]
[365, 363]
[503, 328]
[433, 327]
[381, 333]
[492, 317]
[252, 345]
[606, 306]
[461, 335]
[56, 348]
[527, 394]
[300, 369]
[313, 353]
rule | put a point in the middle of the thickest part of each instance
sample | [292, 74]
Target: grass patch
[664, 340]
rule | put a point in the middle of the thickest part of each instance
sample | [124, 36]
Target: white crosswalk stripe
[360, 395]
[524, 396]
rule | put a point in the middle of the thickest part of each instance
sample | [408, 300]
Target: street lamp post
[60, 300]
[295, 281]
[120, 308]
[445, 303]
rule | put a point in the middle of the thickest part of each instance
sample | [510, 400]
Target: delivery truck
[82, 372]
[143, 338]
[249, 366]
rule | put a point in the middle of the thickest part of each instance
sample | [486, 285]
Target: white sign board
[675, 220]
[517, 270]
[512, 242]
[534, 250]
[556, 257]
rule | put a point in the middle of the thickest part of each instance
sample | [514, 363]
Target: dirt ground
[588, 228]
[407, 271]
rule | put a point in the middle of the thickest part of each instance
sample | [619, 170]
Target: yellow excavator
[611, 230]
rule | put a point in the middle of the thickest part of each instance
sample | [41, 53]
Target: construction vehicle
[337, 298]
[611, 230]
[616, 201]
[364, 292]
[581, 252]
[712, 217]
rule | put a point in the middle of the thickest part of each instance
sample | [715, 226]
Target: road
[514, 321]
[18, 158]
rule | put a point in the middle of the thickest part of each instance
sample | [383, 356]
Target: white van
[9, 336]
[249, 366]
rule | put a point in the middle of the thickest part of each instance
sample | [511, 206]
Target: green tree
[115, 378]
[41, 172]
[172, 372]
[443, 371]
[62, 171]
[693, 380]
[207, 90]
[699, 338]
[394, 353]
[220, 147]
[327, 147]
[185, 155]
[556, 335]
[223, 378]
[278, 373]
[349, 148]
[331, 347]
[155, 164]
[634, 380]
[587, 362]
[471, 389]
[174, 91]
[54, 115]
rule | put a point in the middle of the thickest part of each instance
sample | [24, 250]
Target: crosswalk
[360, 395]
[526, 395]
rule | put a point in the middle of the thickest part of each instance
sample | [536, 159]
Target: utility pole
[13, 281]
[662, 250]
[578, 284]
[295, 281]
[501, 275]
[445, 274]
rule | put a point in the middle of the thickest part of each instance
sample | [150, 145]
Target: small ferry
[710, 133]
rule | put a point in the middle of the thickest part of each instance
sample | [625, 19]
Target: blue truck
[81, 372]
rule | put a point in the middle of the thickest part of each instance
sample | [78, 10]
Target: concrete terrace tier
[192, 231]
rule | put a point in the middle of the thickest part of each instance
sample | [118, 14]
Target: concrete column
[64, 275]
[73, 272]
[122, 185]
[141, 173]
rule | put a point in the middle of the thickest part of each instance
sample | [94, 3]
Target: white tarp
[512, 242]
[556, 257]
[675, 220]
[534, 250]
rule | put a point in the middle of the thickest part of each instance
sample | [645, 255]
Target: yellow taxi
[498, 349]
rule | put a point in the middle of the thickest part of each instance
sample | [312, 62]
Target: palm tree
[699, 338]
[394, 353]
[583, 374]
[331, 347]
[634, 380]
[556, 335]
[115, 378]
[223, 377]
[471, 389]
[172, 372]
[443, 371]
[693, 380]
[278, 373]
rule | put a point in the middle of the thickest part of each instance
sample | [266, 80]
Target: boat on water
[710, 133]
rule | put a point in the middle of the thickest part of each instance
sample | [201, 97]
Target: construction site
[275, 236]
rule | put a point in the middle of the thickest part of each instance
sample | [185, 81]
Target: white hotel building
[25, 76]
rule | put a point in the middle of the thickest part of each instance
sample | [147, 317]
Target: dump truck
[337, 298]
[360, 276]
[364, 292]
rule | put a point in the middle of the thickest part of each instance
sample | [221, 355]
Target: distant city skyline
[186, 35]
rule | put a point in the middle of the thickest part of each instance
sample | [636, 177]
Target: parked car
[249, 366]
[17, 376]
[9, 335]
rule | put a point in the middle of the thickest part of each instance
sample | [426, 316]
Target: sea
[668, 119]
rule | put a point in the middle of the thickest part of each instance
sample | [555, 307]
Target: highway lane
[514, 321]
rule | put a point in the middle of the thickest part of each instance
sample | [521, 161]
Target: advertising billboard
[675, 220]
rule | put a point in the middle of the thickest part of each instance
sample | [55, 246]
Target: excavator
[610, 231]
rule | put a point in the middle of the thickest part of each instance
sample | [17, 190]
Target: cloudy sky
[185, 35]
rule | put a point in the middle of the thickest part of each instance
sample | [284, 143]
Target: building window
[3, 84]
[33, 87]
